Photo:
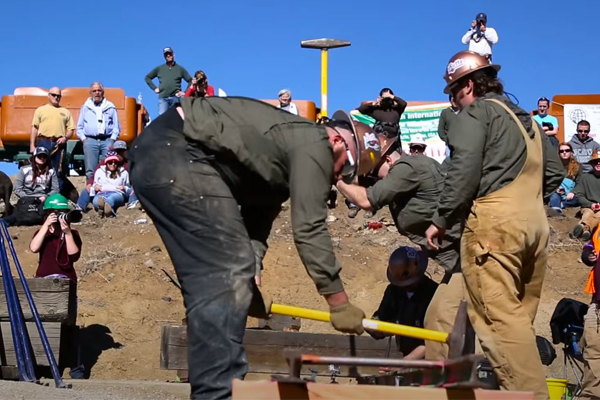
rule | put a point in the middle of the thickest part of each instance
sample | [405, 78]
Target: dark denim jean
[94, 151]
[201, 226]
[164, 103]
[556, 201]
[60, 165]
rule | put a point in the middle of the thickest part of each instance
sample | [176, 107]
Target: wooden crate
[265, 349]
[7, 351]
[55, 300]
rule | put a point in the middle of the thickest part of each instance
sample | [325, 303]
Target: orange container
[17, 112]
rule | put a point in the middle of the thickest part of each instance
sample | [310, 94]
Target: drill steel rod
[34, 311]
[17, 322]
[372, 324]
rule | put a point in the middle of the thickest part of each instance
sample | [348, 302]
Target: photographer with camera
[548, 122]
[58, 245]
[480, 37]
[386, 110]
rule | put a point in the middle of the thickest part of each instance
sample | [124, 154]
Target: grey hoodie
[583, 150]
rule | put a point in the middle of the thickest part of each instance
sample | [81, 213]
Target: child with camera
[58, 245]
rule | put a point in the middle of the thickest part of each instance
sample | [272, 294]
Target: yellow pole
[324, 69]
[387, 327]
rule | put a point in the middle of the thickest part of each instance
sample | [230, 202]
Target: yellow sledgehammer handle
[372, 324]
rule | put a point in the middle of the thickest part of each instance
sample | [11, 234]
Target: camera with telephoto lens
[387, 102]
[547, 125]
[72, 216]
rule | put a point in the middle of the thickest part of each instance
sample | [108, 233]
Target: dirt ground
[125, 297]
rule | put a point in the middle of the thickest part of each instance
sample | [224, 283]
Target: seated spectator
[111, 183]
[120, 149]
[58, 245]
[98, 127]
[200, 86]
[285, 101]
[565, 196]
[386, 110]
[417, 145]
[406, 298]
[590, 341]
[587, 191]
[33, 185]
[548, 122]
[583, 145]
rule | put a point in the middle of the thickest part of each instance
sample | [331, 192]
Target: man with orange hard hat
[501, 167]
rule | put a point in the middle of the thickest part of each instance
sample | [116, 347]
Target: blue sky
[252, 48]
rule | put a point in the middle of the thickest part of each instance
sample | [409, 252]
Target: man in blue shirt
[548, 123]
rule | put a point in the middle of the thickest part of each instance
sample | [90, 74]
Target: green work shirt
[446, 118]
[411, 190]
[587, 189]
[267, 155]
[169, 79]
[488, 152]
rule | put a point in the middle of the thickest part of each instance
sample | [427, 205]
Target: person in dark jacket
[213, 174]
[583, 145]
[406, 298]
[590, 341]
[564, 196]
[386, 110]
[410, 185]
[502, 165]
[587, 191]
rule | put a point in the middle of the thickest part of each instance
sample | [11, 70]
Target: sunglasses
[42, 155]
[564, 151]
[57, 96]
[583, 131]
[111, 163]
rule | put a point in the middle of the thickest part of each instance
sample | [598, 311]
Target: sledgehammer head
[461, 340]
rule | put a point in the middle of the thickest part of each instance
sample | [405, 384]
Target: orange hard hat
[464, 63]
[363, 144]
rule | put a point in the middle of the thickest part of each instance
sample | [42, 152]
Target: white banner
[575, 113]
[418, 122]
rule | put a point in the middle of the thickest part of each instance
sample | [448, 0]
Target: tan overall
[503, 257]
[441, 313]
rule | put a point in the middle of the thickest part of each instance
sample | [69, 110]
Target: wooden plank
[55, 300]
[280, 323]
[53, 332]
[266, 349]
[272, 390]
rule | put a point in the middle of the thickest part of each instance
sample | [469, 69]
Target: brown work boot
[576, 232]
[101, 206]
[586, 235]
[108, 211]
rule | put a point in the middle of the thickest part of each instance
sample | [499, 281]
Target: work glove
[347, 318]
[260, 306]
[376, 334]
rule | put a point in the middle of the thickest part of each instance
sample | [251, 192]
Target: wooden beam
[55, 300]
[53, 331]
[265, 349]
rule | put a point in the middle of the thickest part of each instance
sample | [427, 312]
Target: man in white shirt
[480, 37]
